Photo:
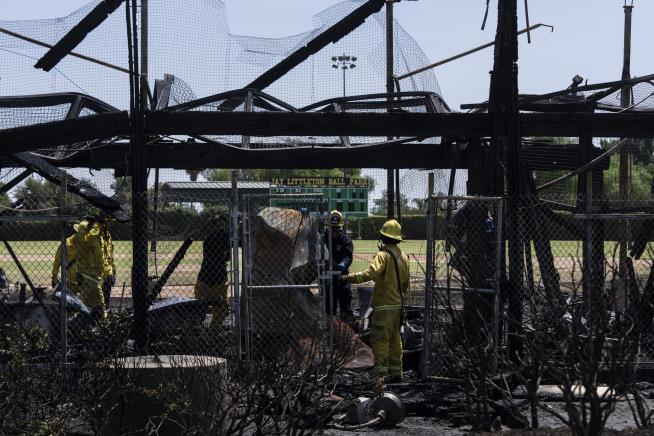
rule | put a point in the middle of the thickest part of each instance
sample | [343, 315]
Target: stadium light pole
[344, 63]
[623, 167]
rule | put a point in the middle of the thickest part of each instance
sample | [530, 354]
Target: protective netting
[192, 40]
[641, 98]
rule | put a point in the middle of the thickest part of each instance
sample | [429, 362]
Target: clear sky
[587, 39]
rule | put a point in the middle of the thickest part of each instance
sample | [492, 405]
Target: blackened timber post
[390, 87]
[139, 191]
[503, 107]
[624, 152]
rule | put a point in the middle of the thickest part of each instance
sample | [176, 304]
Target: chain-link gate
[462, 304]
[284, 271]
[192, 274]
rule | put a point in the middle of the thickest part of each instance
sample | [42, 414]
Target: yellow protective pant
[386, 341]
[90, 290]
[216, 297]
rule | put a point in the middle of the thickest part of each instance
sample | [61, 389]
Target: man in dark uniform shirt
[342, 252]
[211, 286]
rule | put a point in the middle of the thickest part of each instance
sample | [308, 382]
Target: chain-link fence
[462, 306]
[558, 271]
[285, 267]
[593, 257]
[189, 274]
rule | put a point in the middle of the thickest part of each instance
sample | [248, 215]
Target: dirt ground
[438, 409]
[619, 423]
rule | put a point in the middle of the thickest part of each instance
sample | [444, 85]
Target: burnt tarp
[285, 251]
[74, 185]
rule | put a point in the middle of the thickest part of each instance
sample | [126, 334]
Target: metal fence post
[323, 278]
[236, 280]
[498, 278]
[247, 277]
[63, 315]
[429, 269]
[330, 290]
[587, 275]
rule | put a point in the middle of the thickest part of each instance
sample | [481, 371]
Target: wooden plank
[106, 125]
[331, 35]
[612, 125]
[317, 124]
[77, 34]
[198, 155]
[46, 135]
[193, 156]
[639, 125]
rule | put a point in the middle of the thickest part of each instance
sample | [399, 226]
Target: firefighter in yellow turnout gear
[108, 261]
[71, 255]
[211, 286]
[86, 261]
[390, 272]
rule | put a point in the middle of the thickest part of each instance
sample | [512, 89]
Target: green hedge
[413, 227]
[565, 228]
[174, 224]
[179, 223]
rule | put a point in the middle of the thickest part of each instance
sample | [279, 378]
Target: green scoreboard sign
[346, 194]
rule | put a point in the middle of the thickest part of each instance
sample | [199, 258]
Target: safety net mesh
[191, 40]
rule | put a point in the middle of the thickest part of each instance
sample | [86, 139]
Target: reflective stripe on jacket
[108, 262]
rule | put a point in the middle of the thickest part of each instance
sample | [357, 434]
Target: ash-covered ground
[439, 409]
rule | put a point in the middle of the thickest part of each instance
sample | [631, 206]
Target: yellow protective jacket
[89, 250]
[108, 262]
[382, 271]
[71, 255]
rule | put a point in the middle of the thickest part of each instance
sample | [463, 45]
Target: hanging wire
[527, 18]
[55, 68]
[639, 102]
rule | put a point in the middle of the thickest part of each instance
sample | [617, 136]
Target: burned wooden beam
[542, 157]
[15, 181]
[193, 156]
[424, 125]
[170, 269]
[632, 125]
[612, 125]
[74, 185]
[317, 124]
[332, 35]
[56, 133]
[77, 34]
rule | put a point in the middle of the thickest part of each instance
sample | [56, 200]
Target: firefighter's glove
[341, 267]
[54, 282]
[111, 280]
[341, 280]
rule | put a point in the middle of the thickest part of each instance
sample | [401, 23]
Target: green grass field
[37, 258]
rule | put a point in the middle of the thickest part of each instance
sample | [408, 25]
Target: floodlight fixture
[576, 81]
[344, 62]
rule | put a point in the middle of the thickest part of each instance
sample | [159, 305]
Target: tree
[4, 198]
[641, 171]
[381, 204]
[420, 204]
[40, 195]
